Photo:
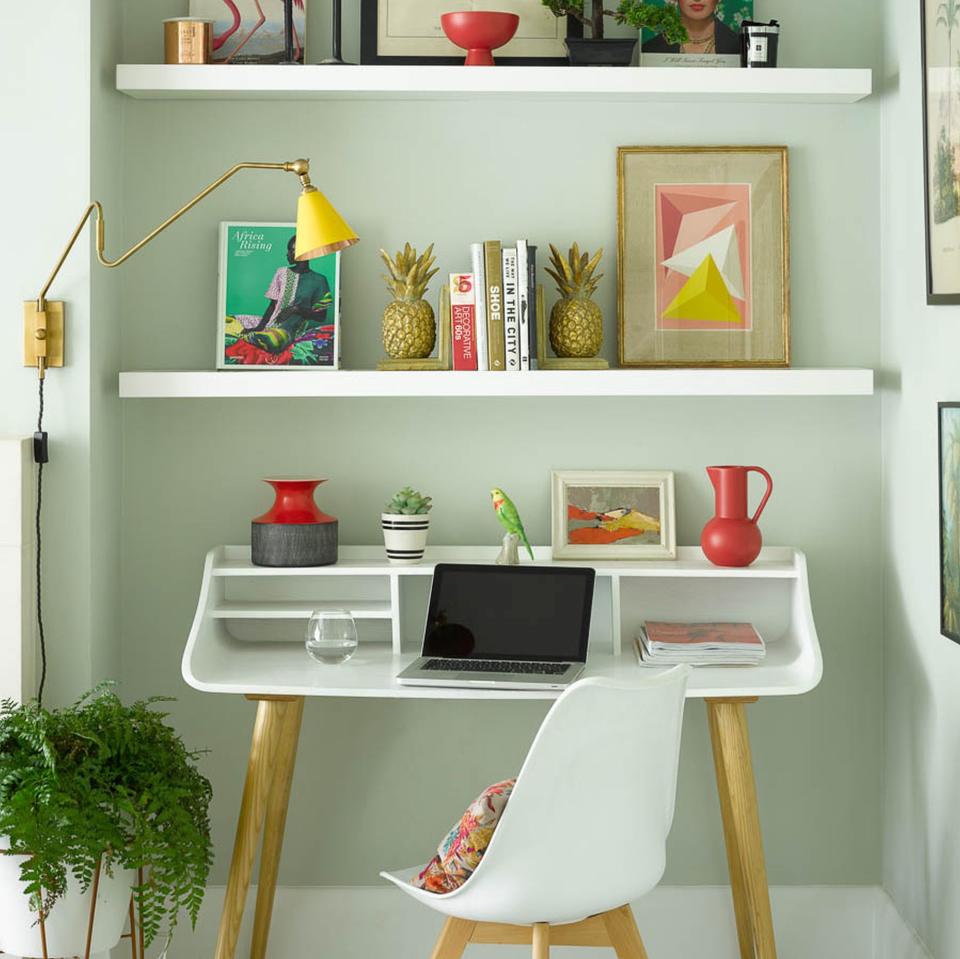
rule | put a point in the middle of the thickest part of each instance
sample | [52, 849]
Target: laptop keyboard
[496, 666]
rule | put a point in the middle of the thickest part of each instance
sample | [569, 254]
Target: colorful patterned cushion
[463, 847]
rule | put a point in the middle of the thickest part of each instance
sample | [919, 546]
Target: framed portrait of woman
[409, 32]
[275, 312]
[713, 28]
[940, 47]
[703, 260]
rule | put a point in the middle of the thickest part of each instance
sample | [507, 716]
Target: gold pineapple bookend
[576, 323]
[444, 358]
[409, 324]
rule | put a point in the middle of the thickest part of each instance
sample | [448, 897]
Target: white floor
[677, 922]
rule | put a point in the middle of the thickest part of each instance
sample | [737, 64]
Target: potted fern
[406, 521]
[96, 795]
[596, 50]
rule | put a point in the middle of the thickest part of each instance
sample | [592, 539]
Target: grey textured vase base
[293, 544]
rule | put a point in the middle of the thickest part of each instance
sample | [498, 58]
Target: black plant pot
[601, 53]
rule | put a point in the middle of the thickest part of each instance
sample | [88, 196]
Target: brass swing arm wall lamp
[320, 230]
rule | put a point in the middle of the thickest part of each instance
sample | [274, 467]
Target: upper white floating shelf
[700, 84]
[359, 383]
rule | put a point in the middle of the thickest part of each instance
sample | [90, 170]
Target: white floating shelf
[232, 384]
[699, 84]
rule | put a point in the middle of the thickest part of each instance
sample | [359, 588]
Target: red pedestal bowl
[479, 32]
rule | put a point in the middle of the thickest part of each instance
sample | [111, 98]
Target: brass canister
[187, 40]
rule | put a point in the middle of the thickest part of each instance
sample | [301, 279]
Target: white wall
[17, 649]
[921, 346]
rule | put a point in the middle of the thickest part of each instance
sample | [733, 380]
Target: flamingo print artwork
[246, 25]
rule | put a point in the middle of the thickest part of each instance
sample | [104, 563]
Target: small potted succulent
[595, 50]
[406, 522]
[97, 796]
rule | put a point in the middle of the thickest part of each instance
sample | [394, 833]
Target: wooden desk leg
[741, 826]
[272, 752]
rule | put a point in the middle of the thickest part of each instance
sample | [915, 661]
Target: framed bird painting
[613, 514]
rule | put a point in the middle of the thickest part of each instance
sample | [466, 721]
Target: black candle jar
[759, 43]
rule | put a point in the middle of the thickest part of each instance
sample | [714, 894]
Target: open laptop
[510, 627]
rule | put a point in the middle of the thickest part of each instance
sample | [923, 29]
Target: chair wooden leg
[261, 768]
[624, 934]
[273, 826]
[453, 939]
[735, 782]
[541, 940]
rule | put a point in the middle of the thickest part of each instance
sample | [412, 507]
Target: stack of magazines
[700, 644]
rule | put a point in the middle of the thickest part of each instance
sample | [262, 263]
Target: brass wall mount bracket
[43, 333]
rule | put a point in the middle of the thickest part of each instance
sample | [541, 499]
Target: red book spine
[463, 319]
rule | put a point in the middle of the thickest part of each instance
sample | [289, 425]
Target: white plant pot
[66, 926]
[405, 537]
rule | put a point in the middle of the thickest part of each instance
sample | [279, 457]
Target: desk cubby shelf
[173, 384]
[697, 85]
[247, 635]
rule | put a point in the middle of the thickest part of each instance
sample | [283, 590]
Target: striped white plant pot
[405, 537]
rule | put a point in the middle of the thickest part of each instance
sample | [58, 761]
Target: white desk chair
[584, 832]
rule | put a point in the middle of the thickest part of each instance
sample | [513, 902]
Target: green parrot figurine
[509, 517]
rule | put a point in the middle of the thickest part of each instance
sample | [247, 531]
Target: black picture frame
[944, 628]
[933, 298]
[368, 46]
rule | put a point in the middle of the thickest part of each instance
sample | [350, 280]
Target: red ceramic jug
[732, 538]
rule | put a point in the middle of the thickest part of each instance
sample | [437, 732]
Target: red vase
[294, 531]
[294, 503]
[732, 538]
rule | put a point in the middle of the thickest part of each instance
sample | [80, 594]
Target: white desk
[247, 639]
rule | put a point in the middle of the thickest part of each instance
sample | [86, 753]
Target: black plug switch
[41, 453]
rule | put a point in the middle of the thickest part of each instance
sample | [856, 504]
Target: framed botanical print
[948, 432]
[409, 31]
[940, 50]
[703, 256]
[613, 514]
[275, 312]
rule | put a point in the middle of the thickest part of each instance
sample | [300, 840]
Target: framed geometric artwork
[409, 32]
[948, 431]
[703, 255]
[613, 514]
[940, 49]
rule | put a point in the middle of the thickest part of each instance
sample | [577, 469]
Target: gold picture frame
[683, 206]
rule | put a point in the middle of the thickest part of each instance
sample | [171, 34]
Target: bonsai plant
[406, 522]
[99, 792]
[617, 52]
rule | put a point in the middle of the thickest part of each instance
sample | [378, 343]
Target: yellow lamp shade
[320, 229]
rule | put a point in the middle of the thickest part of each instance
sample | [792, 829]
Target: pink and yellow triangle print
[703, 248]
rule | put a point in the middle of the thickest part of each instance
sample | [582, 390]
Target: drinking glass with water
[331, 636]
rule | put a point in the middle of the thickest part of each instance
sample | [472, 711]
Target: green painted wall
[379, 782]
[62, 135]
[920, 344]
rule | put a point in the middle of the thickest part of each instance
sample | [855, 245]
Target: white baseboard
[677, 922]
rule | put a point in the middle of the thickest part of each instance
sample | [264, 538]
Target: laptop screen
[509, 612]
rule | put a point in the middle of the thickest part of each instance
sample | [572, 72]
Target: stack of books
[493, 309]
[700, 644]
